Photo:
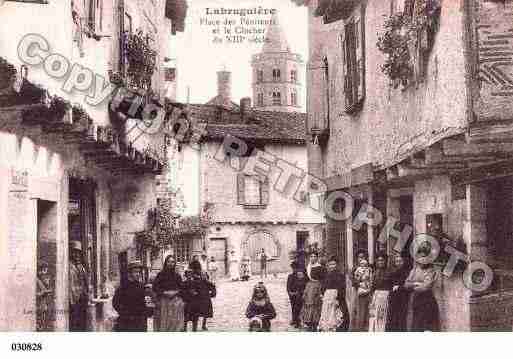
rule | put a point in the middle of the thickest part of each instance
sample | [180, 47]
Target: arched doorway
[253, 245]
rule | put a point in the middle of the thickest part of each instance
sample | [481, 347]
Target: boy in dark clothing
[296, 283]
[130, 302]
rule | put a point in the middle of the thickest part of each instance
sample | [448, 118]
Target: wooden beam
[483, 173]
[491, 132]
[462, 149]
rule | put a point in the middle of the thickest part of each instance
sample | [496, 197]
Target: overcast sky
[198, 58]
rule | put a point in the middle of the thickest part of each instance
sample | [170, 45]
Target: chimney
[224, 84]
[245, 106]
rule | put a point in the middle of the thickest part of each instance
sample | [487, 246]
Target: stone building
[244, 213]
[76, 165]
[431, 143]
[277, 83]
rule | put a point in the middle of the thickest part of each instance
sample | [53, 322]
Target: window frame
[293, 98]
[276, 75]
[277, 98]
[260, 99]
[260, 76]
[263, 188]
[293, 76]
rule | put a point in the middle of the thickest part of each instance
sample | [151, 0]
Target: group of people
[317, 296]
[399, 298]
[178, 300]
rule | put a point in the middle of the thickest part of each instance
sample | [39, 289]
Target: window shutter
[343, 45]
[350, 63]
[240, 188]
[264, 191]
[360, 57]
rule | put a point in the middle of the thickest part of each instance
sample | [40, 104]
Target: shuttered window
[251, 191]
[353, 51]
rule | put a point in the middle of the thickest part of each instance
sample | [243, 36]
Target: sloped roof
[262, 126]
[276, 41]
[223, 101]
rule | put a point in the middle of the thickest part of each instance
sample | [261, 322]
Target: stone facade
[276, 56]
[72, 175]
[404, 150]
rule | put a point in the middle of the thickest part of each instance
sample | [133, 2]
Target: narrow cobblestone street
[233, 297]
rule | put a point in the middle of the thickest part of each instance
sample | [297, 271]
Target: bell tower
[276, 73]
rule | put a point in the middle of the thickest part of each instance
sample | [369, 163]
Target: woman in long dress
[334, 314]
[398, 297]
[170, 306]
[423, 314]
[312, 297]
[378, 309]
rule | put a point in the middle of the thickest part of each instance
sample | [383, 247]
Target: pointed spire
[276, 41]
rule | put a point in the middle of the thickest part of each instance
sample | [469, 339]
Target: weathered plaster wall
[434, 196]
[391, 121]
[219, 186]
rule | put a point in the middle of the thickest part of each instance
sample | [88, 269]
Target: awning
[31, 106]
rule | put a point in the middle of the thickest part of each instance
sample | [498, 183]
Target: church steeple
[275, 39]
[277, 73]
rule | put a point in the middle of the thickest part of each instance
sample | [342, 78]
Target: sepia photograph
[246, 166]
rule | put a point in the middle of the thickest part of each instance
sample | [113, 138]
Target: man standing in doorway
[78, 288]
[263, 264]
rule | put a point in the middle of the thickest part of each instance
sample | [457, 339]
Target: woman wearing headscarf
[398, 296]
[170, 306]
[423, 313]
[260, 310]
[334, 314]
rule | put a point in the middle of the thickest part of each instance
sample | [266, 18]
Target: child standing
[362, 281]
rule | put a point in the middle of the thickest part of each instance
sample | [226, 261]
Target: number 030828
[26, 347]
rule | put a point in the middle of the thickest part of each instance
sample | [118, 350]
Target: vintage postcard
[256, 165]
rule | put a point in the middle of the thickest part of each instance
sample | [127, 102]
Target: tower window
[276, 98]
[293, 99]
[276, 75]
[293, 76]
[260, 76]
[260, 100]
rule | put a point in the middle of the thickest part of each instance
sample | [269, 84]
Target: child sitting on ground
[260, 310]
